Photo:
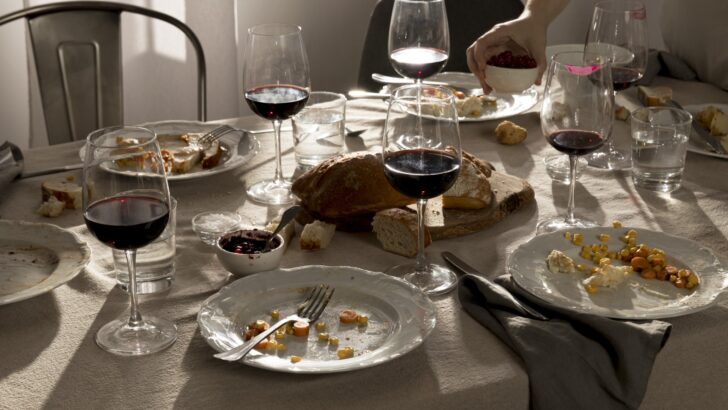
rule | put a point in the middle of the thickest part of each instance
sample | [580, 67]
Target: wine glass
[576, 116]
[126, 206]
[276, 82]
[421, 156]
[618, 29]
[419, 38]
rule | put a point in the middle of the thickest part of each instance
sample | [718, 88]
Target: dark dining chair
[77, 51]
[467, 20]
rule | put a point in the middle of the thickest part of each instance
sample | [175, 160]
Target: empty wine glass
[276, 82]
[618, 29]
[126, 206]
[421, 155]
[419, 38]
[576, 116]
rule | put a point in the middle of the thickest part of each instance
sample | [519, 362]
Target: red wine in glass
[276, 102]
[127, 222]
[624, 77]
[575, 142]
[418, 62]
[421, 173]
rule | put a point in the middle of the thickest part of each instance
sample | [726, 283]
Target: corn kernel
[275, 314]
[271, 345]
[345, 353]
[624, 252]
[604, 248]
[281, 347]
[578, 239]
[323, 337]
[362, 320]
[616, 224]
[295, 359]
[603, 237]
[320, 326]
[591, 289]
[624, 238]
[612, 255]
[580, 268]
[280, 334]
[632, 233]
[333, 340]
[594, 270]
[567, 236]
[631, 241]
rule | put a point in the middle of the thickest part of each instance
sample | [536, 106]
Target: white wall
[159, 69]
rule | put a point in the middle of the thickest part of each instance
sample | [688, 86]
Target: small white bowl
[242, 264]
[510, 80]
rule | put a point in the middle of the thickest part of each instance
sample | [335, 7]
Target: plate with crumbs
[36, 258]
[633, 298]
[399, 318]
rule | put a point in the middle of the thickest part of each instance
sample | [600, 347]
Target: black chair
[467, 20]
[77, 51]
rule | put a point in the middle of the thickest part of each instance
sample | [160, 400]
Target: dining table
[49, 359]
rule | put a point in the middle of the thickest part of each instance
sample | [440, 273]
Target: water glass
[154, 262]
[659, 145]
[319, 129]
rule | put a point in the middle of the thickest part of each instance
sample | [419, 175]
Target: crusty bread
[654, 96]
[472, 189]
[509, 133]
[621, 113]
[51, 208]
[66, 191]
[396, 230]
[348, 185]
[317, 235]
[212, 155]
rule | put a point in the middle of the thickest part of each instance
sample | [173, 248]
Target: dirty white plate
[400, 317]
[507, 105]
[36, 258]
[695, 146]
[635, 298]
[239, 147]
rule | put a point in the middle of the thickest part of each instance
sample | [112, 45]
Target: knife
[711, 143]
[467, 269]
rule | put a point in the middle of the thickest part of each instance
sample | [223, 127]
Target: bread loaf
[396, 230]
[316, 235]
[654, 96]
[348, 185]
[65, 191]
[472, 189]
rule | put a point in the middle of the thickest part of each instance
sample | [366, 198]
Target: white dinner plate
[507, 105]
[239, 146]
[635, 298]
[36, 258]
[400, 317]
[695, 146]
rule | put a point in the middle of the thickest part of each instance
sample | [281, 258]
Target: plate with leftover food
[372, 318]
[186, 159]
[37, 258]
[714, 119]
[617, 272]
[477, 107]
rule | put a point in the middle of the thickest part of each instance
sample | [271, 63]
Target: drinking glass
[618, 29]
[419, 38]
[276, 82]
[576, 116]
[421, 156]
[126, 206]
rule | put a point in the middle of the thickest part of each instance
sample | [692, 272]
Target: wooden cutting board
[509, 195]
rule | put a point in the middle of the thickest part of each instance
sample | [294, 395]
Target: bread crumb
[317, 235]
[509, 133]
[621, 113]
[654, 96]
[51, 208]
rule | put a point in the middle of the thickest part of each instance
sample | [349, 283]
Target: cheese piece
[558, 262]
[608, 276]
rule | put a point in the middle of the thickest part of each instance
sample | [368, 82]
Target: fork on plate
[214, 135]
[308, 311]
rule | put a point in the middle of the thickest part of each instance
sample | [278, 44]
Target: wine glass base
[150, 336]
[558, 224]
[271, 192]
[434, 280]
[557, 167]
[610, 159]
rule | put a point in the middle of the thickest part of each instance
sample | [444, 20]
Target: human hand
[522, 33]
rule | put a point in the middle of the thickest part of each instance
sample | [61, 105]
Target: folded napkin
[573, 360]
[660, 62]
[11, 164]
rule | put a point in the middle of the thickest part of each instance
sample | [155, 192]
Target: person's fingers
[475, 69]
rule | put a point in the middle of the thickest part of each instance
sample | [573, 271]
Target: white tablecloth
[48, 357]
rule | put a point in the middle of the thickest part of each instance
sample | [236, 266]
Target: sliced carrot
[348, 316]
[300, 329]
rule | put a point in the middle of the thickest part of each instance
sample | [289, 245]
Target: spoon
[286, 218]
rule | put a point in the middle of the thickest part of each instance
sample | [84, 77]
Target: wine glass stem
[135, 318]
[277, 134]
[572, 184]
[610, 143]
[421, 263]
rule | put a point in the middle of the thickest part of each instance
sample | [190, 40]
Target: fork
[214, 135]
[308, 311]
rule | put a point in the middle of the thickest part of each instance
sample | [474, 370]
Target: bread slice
[472, 189]
[65, 191]
[654, 96]
[396, 230]
[317, 235]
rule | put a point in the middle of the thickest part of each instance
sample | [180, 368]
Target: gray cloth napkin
[660, 62]
[11, 164]
[573, 360]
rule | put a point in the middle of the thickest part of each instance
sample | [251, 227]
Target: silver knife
[465, 268]
[711, 143]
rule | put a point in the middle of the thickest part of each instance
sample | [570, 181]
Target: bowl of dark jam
[243, 252]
